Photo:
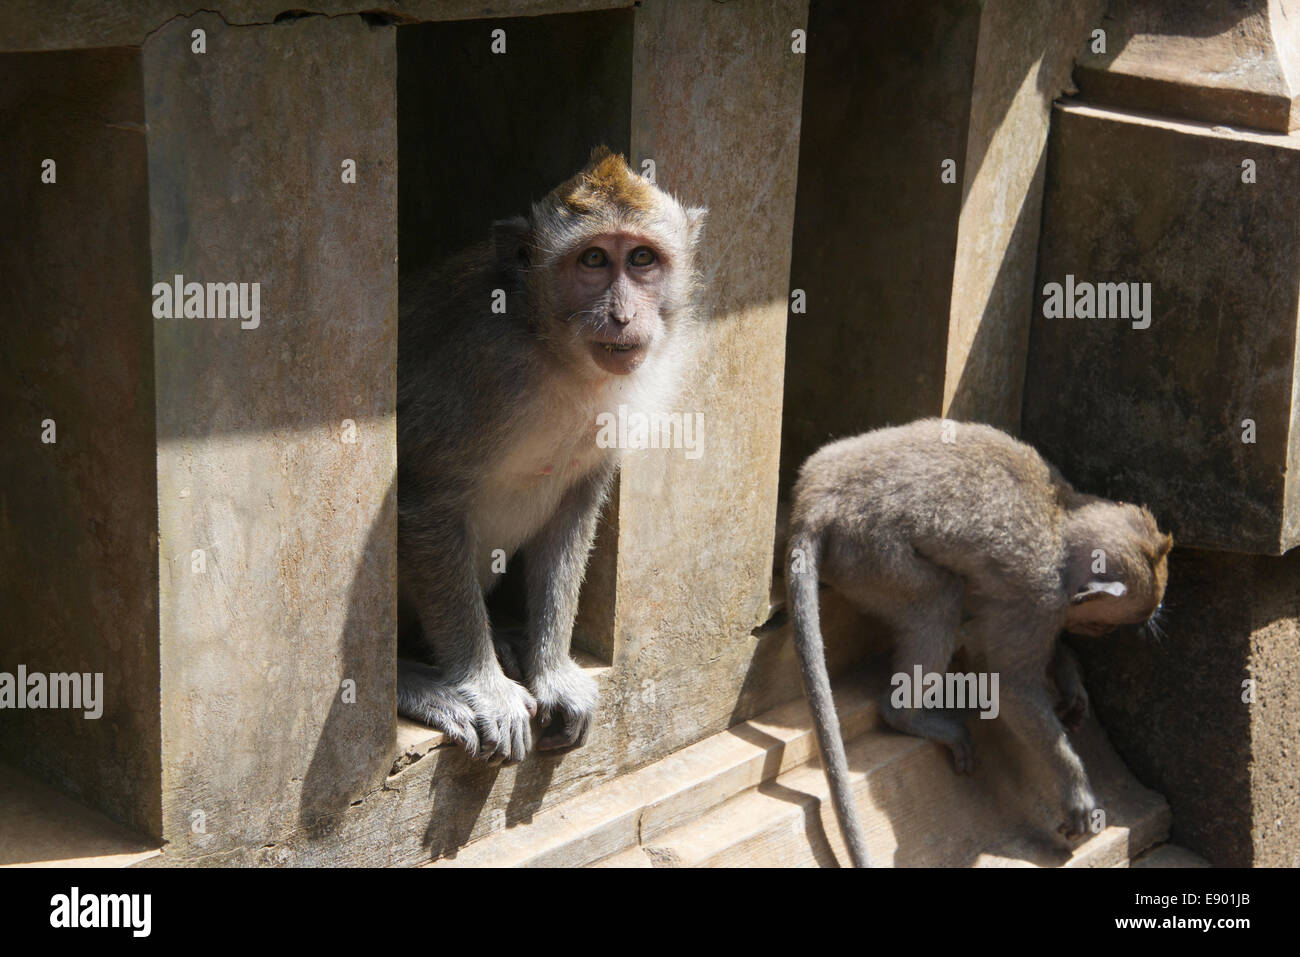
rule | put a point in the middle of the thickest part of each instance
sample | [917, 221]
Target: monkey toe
[505, 740]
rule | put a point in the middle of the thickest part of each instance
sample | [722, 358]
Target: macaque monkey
[959, 535]
[497, 441]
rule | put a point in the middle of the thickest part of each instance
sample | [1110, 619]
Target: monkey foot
[423, 695]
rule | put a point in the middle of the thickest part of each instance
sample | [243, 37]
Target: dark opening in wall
[78, 498]
[886, 100]
[479, 142]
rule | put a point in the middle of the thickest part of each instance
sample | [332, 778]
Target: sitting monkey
[497, 439]
[929, 524]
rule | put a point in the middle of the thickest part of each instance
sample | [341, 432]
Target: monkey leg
[507, 642]
[465, 694]
[555, 562]
[926, 618]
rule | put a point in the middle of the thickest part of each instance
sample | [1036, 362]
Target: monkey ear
[510, 239]
[1095, 589]
[695, 217]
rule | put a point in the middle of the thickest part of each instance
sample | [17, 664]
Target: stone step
[635, 807]
[916, 812]
[1170, 855]
[755, 795]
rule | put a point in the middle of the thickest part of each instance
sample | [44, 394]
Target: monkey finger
[521, 740]
[490, 751]
[1073, 827]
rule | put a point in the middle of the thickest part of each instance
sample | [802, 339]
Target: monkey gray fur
[496, 433]
[974, 541]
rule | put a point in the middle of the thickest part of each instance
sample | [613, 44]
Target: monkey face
[609, 261]
[612, 290]
[1133, 586]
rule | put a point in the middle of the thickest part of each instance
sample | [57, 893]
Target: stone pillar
[1022, 64]
[1189, 398]
[715, 106]
[276, 444]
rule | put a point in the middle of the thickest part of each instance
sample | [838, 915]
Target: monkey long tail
[801, 589]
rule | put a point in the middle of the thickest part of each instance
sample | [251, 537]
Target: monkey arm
[555, 562]
[1073, 705]
[437, 566]
[1027, 708]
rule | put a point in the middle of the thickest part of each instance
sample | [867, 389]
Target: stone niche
[1195, 414]
[78, 506]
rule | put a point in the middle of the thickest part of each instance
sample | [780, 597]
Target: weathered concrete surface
[887, 98]
[1156, 414]
[78, 551]
[1022, 64]
[296, 525]
[1234, 63]
[65, 24]
[505, 157]
[1175, 709]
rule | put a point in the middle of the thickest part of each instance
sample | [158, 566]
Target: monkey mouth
[618, 358]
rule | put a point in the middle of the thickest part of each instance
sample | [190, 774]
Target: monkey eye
[593, 257]
[641, 256]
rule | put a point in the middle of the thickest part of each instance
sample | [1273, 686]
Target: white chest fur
[553, 450]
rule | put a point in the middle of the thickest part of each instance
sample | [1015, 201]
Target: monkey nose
[620, 319]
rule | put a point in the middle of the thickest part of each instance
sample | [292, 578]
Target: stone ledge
[45, 829]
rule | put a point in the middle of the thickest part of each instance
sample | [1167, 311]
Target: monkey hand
[1079, 805]
[566, 699]
[502, 712]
